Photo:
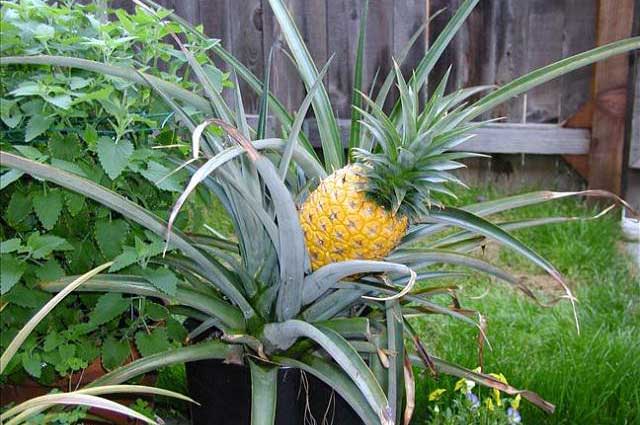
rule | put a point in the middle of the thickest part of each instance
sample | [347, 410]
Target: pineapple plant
[327, 287]
[363, 210]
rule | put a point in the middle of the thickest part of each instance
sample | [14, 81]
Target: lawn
[592, 377]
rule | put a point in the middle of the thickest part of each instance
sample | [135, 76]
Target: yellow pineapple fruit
[363, 210]
[340, 223]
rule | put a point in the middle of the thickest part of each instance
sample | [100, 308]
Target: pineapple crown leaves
[411, 163]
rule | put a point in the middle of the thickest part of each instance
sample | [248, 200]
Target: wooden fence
[501, 40]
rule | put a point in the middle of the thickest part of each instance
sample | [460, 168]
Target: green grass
[592, 378]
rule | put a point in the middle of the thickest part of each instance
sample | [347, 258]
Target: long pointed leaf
[26, 330]
[327, 125]
[264, 393]
[192, 353]
[333, 376]
[283, 335]
[356, 99]
[292, 253]
[299, 120]
[215, 273]
[549, 72]
[230, 316]
[327, 276]
[474, 223]
[129, 74]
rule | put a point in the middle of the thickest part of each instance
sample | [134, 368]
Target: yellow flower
[489, 403]
[436, 394]
[496, 393]
[464, 385]
[515, 403]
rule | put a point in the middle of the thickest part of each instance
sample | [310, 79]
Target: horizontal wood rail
[542, 139]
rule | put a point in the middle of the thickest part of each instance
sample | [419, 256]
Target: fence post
[614, 22]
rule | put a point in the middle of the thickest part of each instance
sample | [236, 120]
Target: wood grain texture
[343, 19]
[285, 81]
[244, 39]
[615, 18]
[634, 134]
[501, 40]
[578, 36]
[508, 138]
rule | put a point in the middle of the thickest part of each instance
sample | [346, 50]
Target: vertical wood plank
[546, 20]
[285, 82]
[615, 18]
[310, 18]
[343, 20]
[631, 183]
[379, 48]
[511, 38]
[244, 39]
[187, 9]
[408, 16]
[578, 36]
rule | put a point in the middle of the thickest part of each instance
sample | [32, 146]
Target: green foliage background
[104, 129]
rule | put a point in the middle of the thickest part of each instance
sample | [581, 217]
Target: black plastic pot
[224, 393]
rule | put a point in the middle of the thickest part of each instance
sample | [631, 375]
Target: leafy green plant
[344, 322]
[103, 129]
[33, 410]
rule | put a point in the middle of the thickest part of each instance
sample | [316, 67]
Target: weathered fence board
[501, 40]
[542, 139]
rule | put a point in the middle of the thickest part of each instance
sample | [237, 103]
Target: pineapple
[362, 211]
[340, 222]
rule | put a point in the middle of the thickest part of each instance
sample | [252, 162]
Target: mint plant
[100, 128]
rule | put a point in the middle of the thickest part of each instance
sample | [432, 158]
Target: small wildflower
[496, 393]
[464, 385]
[514, 416]
[473, 399]
[436, 394]
[489, 403]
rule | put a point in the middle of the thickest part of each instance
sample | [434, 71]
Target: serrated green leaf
[74, 202]
[155, 342]
[39, 246]
[18, 209]
[52, 341]
[62, 101]
[113, 156]
[88, 350]
[32, 363]
[155, 311]
[25, 297]
[10, 114]
[48, 206]
[156, 174]
[110, 235]
[109, 307]
[76, 363]
[64, 147]
[37, 125]
[76, 83]
[11, 271]
[176, 331]
[10, 245]
[163, 279]
[128, 257]
[90, 136]
[50, 271]
[44, 32]
[68, 166]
